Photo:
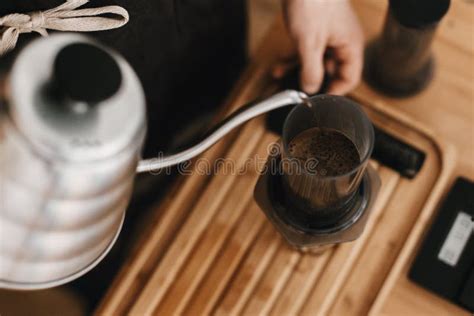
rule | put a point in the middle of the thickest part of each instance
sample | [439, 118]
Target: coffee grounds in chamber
[333, 153]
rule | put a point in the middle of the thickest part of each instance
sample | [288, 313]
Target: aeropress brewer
[317, 187]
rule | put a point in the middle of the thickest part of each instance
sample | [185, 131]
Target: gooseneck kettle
[72, 125]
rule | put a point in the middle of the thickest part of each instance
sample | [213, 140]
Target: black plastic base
[316, 221]
[304, 231]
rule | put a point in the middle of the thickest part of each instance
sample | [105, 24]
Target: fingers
[312, 63]
[317, 26]
[349, 69]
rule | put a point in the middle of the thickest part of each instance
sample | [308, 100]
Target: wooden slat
[214, 237]
[272, 282]
[249, 273]
[306, 274]
[220, 273]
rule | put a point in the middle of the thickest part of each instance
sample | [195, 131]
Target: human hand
[327, 37]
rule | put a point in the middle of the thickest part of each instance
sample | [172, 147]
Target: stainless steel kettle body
[66, 164]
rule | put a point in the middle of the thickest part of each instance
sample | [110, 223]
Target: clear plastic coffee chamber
[318, 193]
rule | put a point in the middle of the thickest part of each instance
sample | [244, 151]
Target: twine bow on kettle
[66, 17]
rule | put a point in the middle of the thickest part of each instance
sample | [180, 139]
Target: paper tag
[457, 239]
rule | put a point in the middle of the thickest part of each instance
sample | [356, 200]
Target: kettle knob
[85, 73]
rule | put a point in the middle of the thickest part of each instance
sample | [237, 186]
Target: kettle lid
[76, 100]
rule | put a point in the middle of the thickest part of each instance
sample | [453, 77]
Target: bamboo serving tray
[211, 250]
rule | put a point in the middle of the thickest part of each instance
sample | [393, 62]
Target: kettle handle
[242, 115]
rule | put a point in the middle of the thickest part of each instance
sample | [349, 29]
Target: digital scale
[445, 262]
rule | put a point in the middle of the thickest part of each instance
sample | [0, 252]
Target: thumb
[312, 73]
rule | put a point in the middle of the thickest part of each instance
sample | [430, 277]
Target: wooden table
[168, 272]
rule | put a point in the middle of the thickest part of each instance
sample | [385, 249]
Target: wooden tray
[211, 250]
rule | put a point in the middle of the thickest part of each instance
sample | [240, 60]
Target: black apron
[187, 54]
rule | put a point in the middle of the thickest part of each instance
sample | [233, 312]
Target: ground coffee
[333, 153]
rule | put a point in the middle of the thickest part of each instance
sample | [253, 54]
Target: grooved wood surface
[211, 250]
[225, 257]
[222, 255]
